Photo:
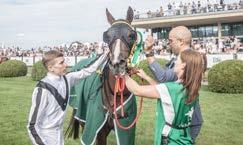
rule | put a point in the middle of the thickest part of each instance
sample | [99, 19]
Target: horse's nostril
[115, 63]
[122, 61]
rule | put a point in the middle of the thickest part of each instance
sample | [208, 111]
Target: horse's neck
[111, 80]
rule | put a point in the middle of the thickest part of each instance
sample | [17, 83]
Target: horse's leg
[104, 132]
[73, 127]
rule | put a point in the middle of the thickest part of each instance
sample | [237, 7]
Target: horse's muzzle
[118, 68]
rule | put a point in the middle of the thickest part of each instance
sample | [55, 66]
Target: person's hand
[106, 48]
[126, 77]
[149, 42]
[141, 73]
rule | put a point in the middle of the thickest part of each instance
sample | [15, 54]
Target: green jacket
[173, 116]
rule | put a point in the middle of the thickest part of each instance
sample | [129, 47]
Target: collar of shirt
[174, 57]
[53, 77]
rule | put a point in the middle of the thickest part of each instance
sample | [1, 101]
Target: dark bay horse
[94, 103]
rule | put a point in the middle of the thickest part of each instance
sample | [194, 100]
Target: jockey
[50, 98]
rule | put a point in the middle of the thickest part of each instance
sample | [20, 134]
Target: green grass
[222, 114]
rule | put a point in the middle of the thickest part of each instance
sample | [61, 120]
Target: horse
[100, 107]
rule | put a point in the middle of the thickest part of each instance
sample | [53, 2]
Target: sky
[33, 23]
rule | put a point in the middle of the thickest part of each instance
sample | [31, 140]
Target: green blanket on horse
[86, 97]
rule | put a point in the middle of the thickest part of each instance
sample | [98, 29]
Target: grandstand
[215, 22]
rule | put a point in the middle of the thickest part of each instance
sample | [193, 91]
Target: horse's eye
[106, 37]
[132, 36]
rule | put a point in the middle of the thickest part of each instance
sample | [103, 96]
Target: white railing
[29, 61]
[72, 60]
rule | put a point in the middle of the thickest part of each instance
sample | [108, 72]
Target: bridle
[118, 30]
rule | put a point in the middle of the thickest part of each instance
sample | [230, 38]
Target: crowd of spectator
[74, 49]
[213, 45]
[204, 45]
[190, 8]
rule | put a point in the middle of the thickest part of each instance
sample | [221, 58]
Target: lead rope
[119, 87]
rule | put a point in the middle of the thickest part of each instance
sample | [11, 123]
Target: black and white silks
[49, 101]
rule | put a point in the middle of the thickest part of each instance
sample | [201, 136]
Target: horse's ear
[129, 14]
[110, 18]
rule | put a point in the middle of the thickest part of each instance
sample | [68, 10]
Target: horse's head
[120, 38]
